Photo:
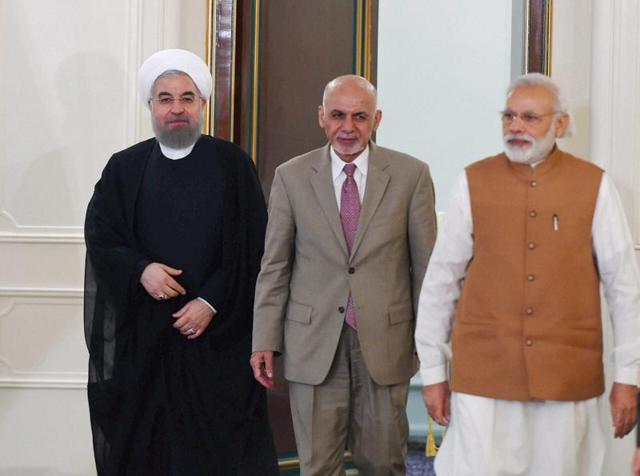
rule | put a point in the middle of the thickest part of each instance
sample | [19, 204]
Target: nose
[347, 124]
[515, 126]
[176, 107]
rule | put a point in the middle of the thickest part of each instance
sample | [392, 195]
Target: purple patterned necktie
[349, 216]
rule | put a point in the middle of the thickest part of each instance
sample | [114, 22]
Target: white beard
[537, 151]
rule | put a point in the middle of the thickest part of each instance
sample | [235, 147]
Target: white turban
[178, 60]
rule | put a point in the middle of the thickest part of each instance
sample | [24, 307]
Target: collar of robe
[175, 154]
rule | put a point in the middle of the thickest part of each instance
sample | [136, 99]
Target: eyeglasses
[529, 118]
[167, 101]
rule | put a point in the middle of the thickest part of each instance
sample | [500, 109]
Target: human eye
[337, 114]
[361, 116]
[165, 100]
[187, 100]
[508, 116]
[531, 118]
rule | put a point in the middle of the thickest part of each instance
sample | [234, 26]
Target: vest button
[531, 245]
[533, 183]
[352, 270]
[529, 342]
[531, 277]
[533, 214]
[529, 311]
[341, 310]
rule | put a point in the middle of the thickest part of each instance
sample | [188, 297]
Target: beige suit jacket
[307, 272]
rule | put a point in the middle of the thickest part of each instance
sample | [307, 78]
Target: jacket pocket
[401, 312]
[299, 312]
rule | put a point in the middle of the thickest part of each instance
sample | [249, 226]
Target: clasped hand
[194, 317]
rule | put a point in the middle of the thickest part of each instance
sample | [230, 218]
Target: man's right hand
[262, 365]
[157, 279]
[437, 399]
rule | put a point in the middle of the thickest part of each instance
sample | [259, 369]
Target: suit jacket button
[341, 310]
[352, 270]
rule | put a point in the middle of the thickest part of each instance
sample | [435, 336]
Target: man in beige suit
[346, 250]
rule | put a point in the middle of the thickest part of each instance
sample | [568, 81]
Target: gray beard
[537, 152]
[180, 138]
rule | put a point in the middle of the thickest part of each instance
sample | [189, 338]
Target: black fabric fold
[161, 404]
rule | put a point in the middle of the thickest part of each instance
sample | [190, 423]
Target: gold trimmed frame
[538, 36]
[210, 59]
[220, 112]
[363, 39]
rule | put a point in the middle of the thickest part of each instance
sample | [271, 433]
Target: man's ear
[321, 116]
[376, 120]
[562, 122]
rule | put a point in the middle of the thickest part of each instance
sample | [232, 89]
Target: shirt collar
[175, 154]
[337, 164]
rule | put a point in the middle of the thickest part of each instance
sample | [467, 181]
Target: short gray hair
[538, 79]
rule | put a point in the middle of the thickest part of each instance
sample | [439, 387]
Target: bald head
[352, 82]
[348, 115]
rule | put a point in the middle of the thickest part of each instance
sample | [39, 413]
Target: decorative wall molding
[45, 381]
[10, 377]
[12, 232]
[49, 293]
[38, 296]
[42, 238]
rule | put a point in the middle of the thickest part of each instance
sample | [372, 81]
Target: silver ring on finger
[161, 296]
[191, 331]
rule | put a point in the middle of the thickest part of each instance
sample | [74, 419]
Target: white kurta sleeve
[441, 286]
[618, 268]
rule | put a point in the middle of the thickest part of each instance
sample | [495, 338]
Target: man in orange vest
[511, 300]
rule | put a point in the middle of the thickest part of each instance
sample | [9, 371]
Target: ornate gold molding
[363, 58]
[538, 36]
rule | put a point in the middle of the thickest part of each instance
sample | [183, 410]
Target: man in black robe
[174, 235]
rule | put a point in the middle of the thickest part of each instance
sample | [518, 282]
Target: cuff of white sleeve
[433, 375]
[626, 375]
[210, 306]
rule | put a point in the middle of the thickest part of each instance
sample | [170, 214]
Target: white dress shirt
[359, 175]
[612, 248]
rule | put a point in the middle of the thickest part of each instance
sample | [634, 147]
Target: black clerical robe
[162, 404]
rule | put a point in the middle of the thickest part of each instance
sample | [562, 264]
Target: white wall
[69, 101]
[571, 68]
[443, 68]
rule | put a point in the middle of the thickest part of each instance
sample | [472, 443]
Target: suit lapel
[322, 184]
[377, 180]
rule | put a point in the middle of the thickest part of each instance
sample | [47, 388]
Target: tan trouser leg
[349, 403]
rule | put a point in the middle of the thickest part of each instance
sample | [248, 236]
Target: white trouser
[489, 437]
